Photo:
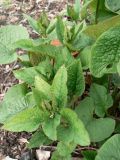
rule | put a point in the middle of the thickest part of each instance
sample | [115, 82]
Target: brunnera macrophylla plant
[70, 81]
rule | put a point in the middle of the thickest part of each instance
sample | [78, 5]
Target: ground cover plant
[70, 77]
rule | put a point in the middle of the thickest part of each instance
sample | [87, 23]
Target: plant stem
[97, 11]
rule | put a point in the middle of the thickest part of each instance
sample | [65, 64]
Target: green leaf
[72, 129]
[80, 42]
[50, 126]
[41, 50]
[85, 57]
[94, 31]
[77, 8]
[102, 99]
[97, 126]
[113, 6]
[38, 139]
[56, 156]
[59, 88]
[28, 120]
[76, 82]
[110, 149]
[14, 102]
[32, 22]
[72, 13]
[85, 110]
[8, 36]
[105, 52]
[65, 149]
[45, 69]
[64, 58]
[24, 44]
[26, 74]
[51, 26]
[60, 29]
[42, 86]
[89, 155]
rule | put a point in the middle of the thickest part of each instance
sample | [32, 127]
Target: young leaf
[26, 74]
[60, 29]
[32, 22]
[77, 8]
[51, 26]
[110, 149]
[8, 36]
[28, 120]
[105, 52]
[76, 82]
[102, 100]
[72, 129]
[42, 86]
[14, 102]
[64, 58]
[80, 42]
[50, 125]
[38, 139]
[72, 13]
[59, 88]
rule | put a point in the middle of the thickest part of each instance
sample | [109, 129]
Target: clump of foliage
[70, 80]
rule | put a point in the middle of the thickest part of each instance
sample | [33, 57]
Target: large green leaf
[85, 110]
[38, 139]
[26, 74]
[90, 9]
[113, 6]
[59, 88]
[96, 30]
[27, 120]
[14, 101]
[105, 52]
[97, 126]
[50, 126]
[8, 36]
[72, 129]
[76, 82]
[110, 149]
[102, 99]
[41, 50]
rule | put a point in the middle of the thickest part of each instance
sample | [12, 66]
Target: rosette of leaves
[48, 114]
